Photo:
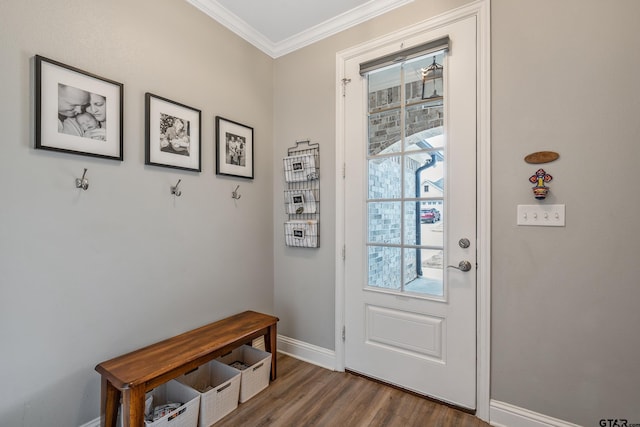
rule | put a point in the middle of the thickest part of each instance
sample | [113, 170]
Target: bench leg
[270, 344]
[110, 399]
[133, 407]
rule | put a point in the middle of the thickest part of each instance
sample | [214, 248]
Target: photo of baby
[90, 127]
[82, 113]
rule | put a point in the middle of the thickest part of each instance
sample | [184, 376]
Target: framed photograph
[234, 148]
[72, 108]
[172, 134]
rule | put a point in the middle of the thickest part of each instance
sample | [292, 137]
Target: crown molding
[235, 24]
[326, 29]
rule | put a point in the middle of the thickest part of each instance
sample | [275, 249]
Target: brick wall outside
[384, 126]
[384, 222]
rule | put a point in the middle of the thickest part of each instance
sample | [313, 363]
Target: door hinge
[344, 170]
[344, 333]
[345, 82]
[344, 252]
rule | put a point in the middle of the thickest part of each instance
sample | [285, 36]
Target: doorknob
[462, 266]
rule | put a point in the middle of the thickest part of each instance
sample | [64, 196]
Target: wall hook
[82, 182]
[175, 191]
[235, 195]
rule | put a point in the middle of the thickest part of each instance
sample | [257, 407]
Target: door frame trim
[481, 10]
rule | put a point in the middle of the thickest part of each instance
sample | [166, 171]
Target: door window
[406, 177]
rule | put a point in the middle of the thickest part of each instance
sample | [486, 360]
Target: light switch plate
[541, 215]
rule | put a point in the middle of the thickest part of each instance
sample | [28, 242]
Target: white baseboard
[307, 352]
[92, 423]
[503, 414]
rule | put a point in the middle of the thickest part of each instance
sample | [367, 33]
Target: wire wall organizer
[302, 195]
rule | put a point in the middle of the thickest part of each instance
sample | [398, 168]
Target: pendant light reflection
[431, 75]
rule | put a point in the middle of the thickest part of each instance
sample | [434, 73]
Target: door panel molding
[421, 334]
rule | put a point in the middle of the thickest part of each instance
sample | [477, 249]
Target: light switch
[541, 215]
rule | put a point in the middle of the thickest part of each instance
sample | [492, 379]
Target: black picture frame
[172, 134]
[234, 149]
[83, 101]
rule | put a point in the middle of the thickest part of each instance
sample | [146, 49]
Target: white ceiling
[278, 27]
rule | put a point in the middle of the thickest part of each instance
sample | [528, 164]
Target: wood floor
[307, 395]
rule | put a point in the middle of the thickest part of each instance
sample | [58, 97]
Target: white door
[410, 212]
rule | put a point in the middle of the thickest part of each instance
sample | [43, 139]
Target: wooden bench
[131, 375]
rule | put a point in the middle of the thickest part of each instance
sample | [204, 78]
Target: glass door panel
[384, 132]
[432, 274]
[384, 222]
[424, 79]
[405, 198]
[384, 178]
[384, 267]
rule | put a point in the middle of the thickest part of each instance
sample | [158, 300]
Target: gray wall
[565, 338]
[565, 316]
[86, 276]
